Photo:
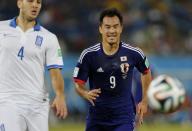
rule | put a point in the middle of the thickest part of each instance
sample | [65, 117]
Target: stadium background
[162, 28]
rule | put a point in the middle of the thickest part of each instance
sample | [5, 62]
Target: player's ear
[19, 2]
[100, 29]
[121, 29]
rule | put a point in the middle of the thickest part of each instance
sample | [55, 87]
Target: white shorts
[14, 117]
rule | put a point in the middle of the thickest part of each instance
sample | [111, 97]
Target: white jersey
[23, 57]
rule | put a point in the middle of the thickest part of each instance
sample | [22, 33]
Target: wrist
[59, 95]
[85, 94]
[144, 100]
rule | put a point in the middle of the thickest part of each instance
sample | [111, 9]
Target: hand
[59, 106]
[92, 95]
[141, 110]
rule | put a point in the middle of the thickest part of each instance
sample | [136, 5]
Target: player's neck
[25, 24]
[110, 49]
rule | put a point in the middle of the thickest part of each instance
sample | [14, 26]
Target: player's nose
[112, 30]
[35, 4]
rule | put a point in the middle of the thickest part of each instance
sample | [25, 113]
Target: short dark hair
[110, 13]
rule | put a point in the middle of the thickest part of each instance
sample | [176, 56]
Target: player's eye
[39, 1]
[115, 26]
[107, 27]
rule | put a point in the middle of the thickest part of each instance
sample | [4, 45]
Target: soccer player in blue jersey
[25, 49]
[109, 67]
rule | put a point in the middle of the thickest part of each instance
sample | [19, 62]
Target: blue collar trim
[13, 23]
[37, 26]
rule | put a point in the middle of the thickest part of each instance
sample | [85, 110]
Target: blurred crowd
[161, 27]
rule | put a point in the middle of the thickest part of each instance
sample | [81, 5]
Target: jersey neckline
[36, 27]
[110, 56]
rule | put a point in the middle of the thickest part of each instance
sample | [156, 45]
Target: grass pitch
[145, 127]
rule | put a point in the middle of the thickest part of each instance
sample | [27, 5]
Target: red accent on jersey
[146, 71]
[79, 81]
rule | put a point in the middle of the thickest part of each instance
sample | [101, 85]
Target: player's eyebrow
[116, 25]
[111, 25]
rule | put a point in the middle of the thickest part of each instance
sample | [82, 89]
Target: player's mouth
[111, 36]
[34, 12]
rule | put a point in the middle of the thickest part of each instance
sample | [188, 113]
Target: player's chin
[32, 17]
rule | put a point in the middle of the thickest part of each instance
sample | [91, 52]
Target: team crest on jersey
[123, 58]
[39, 41]
[124, 69]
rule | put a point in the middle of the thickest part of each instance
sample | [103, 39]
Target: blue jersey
[113, 74]
[137, 86]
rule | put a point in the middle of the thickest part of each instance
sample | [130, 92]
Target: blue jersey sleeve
[142, 63]
[137, 86]
[81, 70]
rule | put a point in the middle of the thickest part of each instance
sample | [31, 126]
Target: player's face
[29, 9]
[111, 30]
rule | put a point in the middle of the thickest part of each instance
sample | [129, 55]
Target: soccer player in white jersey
[25, 49]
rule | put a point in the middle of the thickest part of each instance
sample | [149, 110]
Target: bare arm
[89, 95]
[146, 80]
[58, 85]
[142, 106]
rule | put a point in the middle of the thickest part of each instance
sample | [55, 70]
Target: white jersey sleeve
[54, 54]
[1, 37]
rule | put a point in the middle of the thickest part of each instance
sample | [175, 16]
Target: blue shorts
[120, 127]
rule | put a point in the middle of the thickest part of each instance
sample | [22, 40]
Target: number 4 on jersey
[21, 53]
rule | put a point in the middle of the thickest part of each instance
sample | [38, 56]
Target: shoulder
[47, 32]
[4, 24]
[51, 38]
[90, 51]
[132, 49]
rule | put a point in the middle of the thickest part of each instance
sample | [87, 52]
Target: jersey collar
[37, 26]
[116, 53]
